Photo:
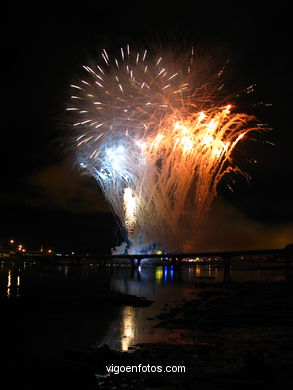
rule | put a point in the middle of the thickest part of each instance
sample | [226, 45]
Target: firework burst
[156, 141]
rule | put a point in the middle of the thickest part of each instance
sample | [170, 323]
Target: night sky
[45, 198]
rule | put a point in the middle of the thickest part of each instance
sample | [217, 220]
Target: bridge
[223, 257]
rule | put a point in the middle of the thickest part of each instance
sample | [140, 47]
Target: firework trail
[155, 139]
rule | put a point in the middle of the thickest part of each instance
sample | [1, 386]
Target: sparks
[129, 204]
[155, 144]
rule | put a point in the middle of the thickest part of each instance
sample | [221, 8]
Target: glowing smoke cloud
[156, 142]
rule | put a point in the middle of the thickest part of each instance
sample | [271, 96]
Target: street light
[11, 242]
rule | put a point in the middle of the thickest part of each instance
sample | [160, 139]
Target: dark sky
[44, 197]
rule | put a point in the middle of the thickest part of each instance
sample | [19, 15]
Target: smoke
[227, 228]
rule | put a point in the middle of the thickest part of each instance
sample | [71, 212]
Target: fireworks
[152, 135]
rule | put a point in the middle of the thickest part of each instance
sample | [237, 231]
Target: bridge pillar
[227, 269]
[135, 263]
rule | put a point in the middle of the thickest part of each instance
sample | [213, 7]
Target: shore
[233, 336]
[230, 336]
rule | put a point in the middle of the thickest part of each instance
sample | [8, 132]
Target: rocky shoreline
[231, 336]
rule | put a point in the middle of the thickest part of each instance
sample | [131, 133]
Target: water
[51, 309]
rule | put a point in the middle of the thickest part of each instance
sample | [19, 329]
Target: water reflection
[197, 270]
[147, 280]
[8, 293]
[159, 273]
[164, 273]
[13, 282]
[209, 270]
[164, 284]
[17, 285]
[128, 323]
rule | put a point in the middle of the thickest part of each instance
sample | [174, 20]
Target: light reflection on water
[165, 285]
[8, 283]
[13, 282]
[127, 327]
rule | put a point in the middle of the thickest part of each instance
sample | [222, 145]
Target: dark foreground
[234, 336]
